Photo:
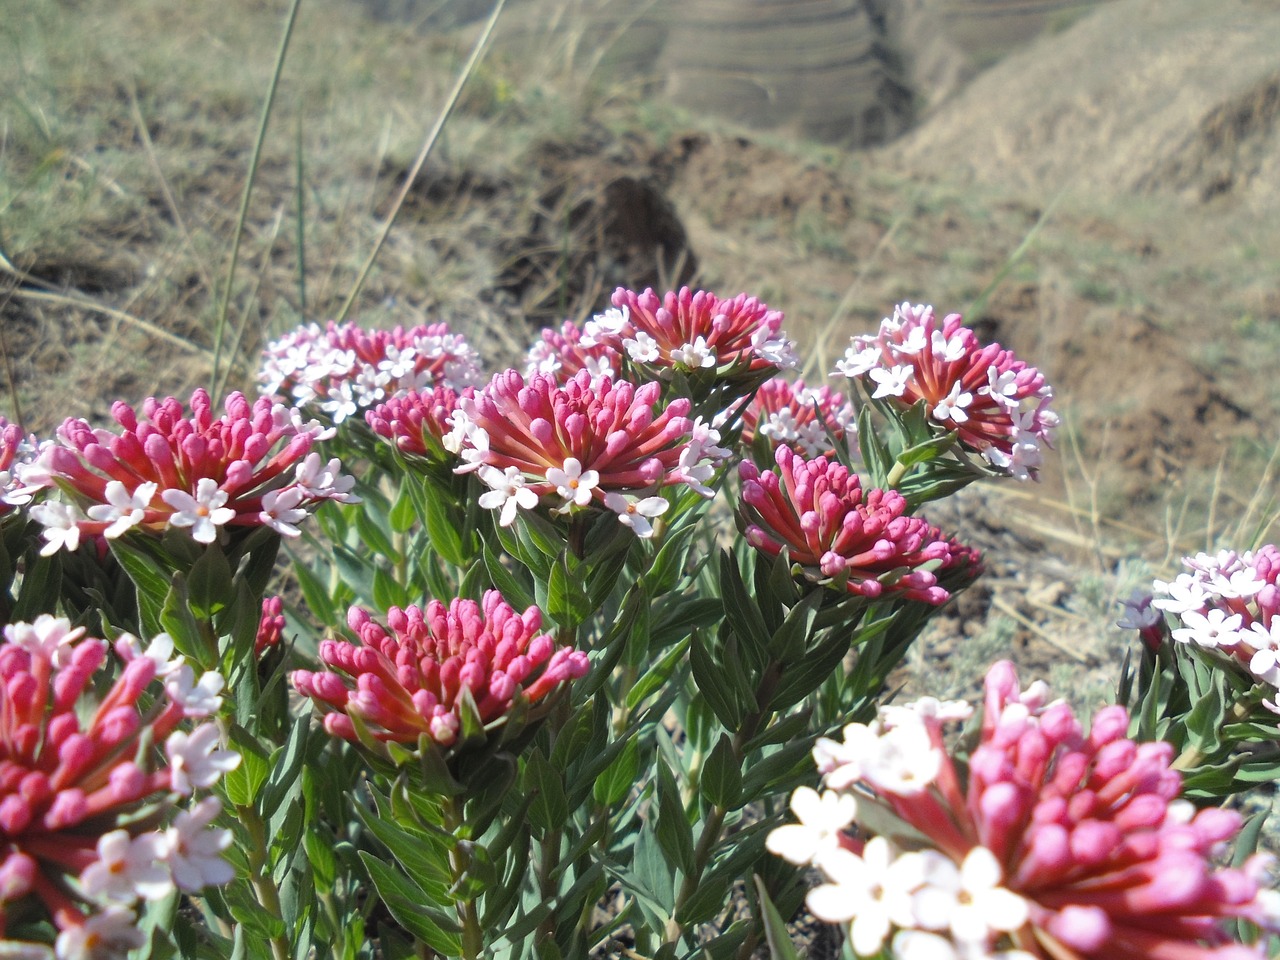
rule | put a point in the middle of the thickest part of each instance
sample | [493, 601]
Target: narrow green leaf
[403, 515]
[658, 675]
[387, 592]
[567, 603]
[875, 455]
[721, 778]
[514, 589]
[314, 593]
[669, 564]
[550, 806]
[616, 780]
[242, 783]
[775, 928]
[713, 684]
[209, 583]
[407, 903]
[791, 640]
[741, 610]
[374, 539]
[674, 833]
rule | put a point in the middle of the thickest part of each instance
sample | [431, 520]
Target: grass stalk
[477, 51]
[224, 308]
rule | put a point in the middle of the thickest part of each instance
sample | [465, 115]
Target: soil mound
[1169, 97]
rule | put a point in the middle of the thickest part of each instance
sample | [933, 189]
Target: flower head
[412, 676]
[1059, 842]
[739, 340]
[996, 405]
[165, 470]
[788, 413]
[417, 422]
[343, 368]
[574, 445]
[76, 774]
[561, 354]
[1227, 602]
[835, 531]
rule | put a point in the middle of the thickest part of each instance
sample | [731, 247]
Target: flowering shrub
[251, 467]
[1051, 841]
[92, 817]
[606, 771]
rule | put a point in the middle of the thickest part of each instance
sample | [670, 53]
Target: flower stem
[260, 876]
[459, 863]
[896, 473]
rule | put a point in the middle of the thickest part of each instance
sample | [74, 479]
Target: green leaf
[740, 609]
[180, 623]
[324, 865]
[669, 564]
[775, 928]
[714, 684]
[407, 903]
[374, 539]
[776, 771]
[387, 592]
[616, 780]
[658, 675]
[514, 589]
[721, 778]
[403, 515]
[875, 455]
[242, 783]
[567, 602]
[712, 895]
[674, 833]
[791, 640]
[550, 806]
[315, 594]
[209, 583]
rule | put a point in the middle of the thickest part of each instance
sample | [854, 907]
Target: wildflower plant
[519, 688]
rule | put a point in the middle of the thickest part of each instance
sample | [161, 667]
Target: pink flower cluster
[74, 776]
[250, 467]
[418, 422]
[17, 454]
[344, 369]
[861, 540]
[995, 404]
[787, 413]
[1228, 602]
[1050, 843]
[412, 675]
[589, 441]
[561, 354]
[739, 339]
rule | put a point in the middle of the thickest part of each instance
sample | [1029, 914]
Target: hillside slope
[1143, 96]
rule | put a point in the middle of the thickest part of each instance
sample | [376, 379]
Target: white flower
[204, 513]
[280, 511]
[907, 761]
[159, 652]
[598, 368]
[947, 350]
[196, 699]
[952, 406]
[914, 343]
[1002, 387]
[822, 817]
[1182, 594]
[969, 901]
[1139, 612]
[125, 509]
[605, 326]
[636, 514]
[60, 526]
[195, 854]
[128, 868]
[695, 355]
[873, 893]
[891, 382]
[779, 351]
[572, 483]
[195, 760]
[508, 492]
[325, 480]
[48, 637]
[643, 349]
[340, 402]
[108, 935]
[1217, 629]
[861, 358]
